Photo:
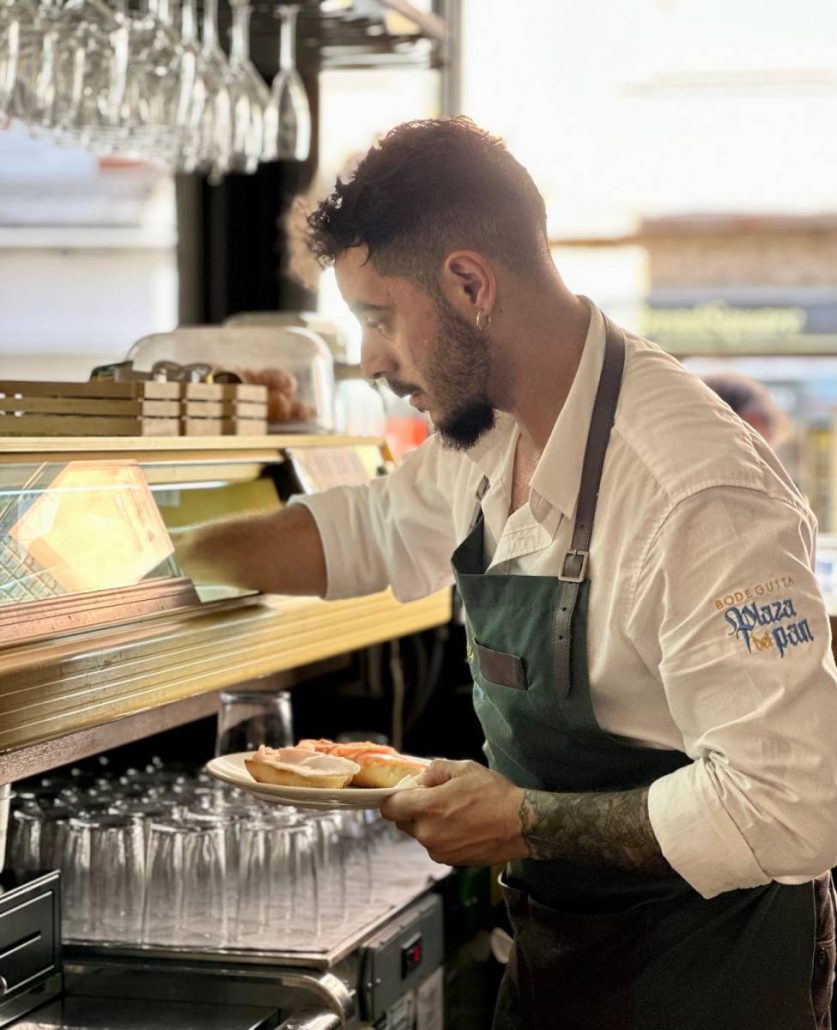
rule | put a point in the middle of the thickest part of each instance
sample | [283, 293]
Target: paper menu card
[319, 468]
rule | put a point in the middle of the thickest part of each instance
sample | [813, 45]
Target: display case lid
[293, 362]
[81, 543]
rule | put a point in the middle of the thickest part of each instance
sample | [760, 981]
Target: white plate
[231, 769]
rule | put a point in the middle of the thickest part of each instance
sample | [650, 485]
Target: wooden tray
[134, 408]
[86, 425]
[223, 409]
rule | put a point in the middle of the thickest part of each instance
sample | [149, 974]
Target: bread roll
[379, 764]
[300, 767]
[381, 770]
[282, 387]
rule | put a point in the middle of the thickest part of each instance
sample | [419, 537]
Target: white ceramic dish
[231, 769]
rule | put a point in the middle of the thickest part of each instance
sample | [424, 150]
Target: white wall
[74, 308]
[622, 109]
[87, 258]
[627, 108]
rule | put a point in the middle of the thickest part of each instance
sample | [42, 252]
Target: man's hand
[463, 813]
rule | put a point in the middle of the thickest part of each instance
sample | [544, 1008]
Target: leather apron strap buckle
[574, 569]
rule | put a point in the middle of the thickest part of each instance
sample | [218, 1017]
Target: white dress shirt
[707, 631]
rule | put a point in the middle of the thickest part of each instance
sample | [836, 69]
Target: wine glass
[132, 78]
[95, 41]
[291, 112]
[216, 124]
[10, 33]
[146, 115]
[37, 62]
[190, 149]
[251, 143]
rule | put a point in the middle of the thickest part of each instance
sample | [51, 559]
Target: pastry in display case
[294, 363]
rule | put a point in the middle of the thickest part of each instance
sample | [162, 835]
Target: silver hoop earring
[483, 320]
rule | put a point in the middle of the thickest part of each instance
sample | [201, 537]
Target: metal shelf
[333, 36]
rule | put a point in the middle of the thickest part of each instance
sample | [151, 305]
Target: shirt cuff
[346, 576]
[697, 836]
[328, 538]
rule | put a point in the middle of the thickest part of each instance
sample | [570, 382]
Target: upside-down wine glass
[292, 112]
[254, 130]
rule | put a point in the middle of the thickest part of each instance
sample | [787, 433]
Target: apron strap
[574, 569]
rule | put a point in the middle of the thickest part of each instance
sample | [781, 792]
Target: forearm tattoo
[605, 830]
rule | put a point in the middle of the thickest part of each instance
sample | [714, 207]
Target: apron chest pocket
[507, 670]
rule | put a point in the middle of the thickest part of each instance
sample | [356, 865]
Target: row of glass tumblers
[214, 869]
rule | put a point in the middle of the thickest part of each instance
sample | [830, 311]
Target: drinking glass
[248, 718]
[291, 113]
[72, 855]
[25, 841]
[255, 883]
[164, 883]
[357, 857]
[331, 854]
[117, 878]
[295, 903]
[203, 901]
[147, 811]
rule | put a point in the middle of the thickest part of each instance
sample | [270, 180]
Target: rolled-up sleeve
[397, 531]
[728, 613]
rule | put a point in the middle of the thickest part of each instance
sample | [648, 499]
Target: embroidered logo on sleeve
[773, 626]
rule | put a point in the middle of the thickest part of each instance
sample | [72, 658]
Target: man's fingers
[402, 806]
[440, 771]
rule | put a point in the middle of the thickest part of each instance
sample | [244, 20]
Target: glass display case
[102, 639]
[82, 541]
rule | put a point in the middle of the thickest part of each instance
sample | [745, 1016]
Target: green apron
[600, 949]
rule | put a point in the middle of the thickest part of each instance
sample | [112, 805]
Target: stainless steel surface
[289, 990]
[316, 1022]
[30, 945]
[330, 989]
[13, 1011]
[90, 1013]
[316, 960]
[401, 956]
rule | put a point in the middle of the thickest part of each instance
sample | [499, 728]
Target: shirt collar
[557, 476]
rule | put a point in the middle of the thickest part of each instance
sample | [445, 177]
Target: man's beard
[457, 376]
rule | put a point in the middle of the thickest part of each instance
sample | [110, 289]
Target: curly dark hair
[427, 188]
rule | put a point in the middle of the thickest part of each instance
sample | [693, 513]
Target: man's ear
[468, 285]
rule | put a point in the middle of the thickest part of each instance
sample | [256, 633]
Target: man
[649, 646]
